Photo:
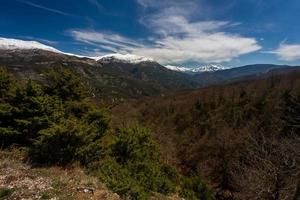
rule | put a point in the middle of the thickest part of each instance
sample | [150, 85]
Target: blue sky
[230, 32]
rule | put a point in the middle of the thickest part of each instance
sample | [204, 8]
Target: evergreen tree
[66, 84]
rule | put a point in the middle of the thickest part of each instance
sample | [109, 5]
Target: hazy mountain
[201, 69]
[238, 73]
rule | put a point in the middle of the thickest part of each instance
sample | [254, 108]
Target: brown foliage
[233, 135]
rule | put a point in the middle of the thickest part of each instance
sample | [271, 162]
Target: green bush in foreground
[134, 168]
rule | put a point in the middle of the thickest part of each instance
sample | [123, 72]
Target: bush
[133, 166]
[57, 144]
[193, 188]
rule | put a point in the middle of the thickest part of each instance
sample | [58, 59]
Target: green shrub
[57, 144]
[133, 167]
[119, 179]
[193, 188]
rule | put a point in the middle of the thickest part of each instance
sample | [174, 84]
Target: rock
[85, 190]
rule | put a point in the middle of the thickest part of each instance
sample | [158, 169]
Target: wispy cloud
[46, 8]
[287, 52]
[177, 36]
[108, 41]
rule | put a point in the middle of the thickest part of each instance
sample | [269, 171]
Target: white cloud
[177, 36]
[209, 48]
[287, 52]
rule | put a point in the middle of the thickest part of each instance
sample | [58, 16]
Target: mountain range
[118, 76]
[204, 68]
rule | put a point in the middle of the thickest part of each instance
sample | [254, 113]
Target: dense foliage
[57, 123]
[242, 138]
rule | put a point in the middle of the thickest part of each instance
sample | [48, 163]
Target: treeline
[243, 138]
[56, 122]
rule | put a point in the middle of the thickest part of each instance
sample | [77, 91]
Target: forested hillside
[242, 138]
[234, 141]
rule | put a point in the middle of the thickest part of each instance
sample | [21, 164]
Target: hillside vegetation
[228, 142]
[242, 138]
[56, 122]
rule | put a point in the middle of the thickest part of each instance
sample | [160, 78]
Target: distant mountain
[238, 73]
[201, 69]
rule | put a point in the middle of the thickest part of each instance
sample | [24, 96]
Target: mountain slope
[108, 79]
[149, 72]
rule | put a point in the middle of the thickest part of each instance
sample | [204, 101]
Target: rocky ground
[20, 181]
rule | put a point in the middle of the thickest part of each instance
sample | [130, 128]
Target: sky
[177, 32]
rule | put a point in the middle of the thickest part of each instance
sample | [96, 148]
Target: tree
[65, 84]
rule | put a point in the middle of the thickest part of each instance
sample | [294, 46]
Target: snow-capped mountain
[127, 58]
[178, 68]
[13, 44]
[204, 68]
[16, 44]
[210, 68]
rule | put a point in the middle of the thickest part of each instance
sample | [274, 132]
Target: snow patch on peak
[16, 44]
[13, 44]
[210, 68]
[204, 68]
[128, 58]
[178, 68]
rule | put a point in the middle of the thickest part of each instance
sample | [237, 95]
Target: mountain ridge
[201, 69]
[118, 76]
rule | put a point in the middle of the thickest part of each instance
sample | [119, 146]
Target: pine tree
[65, 84]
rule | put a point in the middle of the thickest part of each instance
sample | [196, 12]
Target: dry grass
[47, 183]
[19, 180]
